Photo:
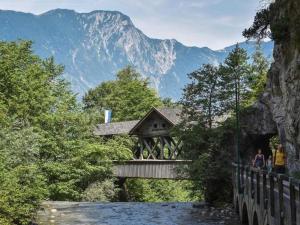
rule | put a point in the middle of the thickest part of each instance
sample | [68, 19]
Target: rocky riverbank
[225, 215]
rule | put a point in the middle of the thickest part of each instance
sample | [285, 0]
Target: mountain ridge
[93, 46]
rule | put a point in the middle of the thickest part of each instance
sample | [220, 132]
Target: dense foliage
[47, 148]
[203, 94]
[48, 151]
[129, 96]
[278, 20]
[208, 130]
[143, 190]
[261, 26]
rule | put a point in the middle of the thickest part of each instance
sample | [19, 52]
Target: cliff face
[278, 109]
[283, 86]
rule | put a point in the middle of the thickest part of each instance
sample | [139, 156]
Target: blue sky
[211, 23]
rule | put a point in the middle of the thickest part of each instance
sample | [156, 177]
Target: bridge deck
[158, 169]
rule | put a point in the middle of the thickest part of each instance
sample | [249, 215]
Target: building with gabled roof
[165, 118]
[153, 132]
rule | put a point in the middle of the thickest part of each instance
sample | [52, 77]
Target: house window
[163, 125]
[155, 125]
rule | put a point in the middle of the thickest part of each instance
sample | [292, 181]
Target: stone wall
[257, 127]
[283, 86]
[278, 109]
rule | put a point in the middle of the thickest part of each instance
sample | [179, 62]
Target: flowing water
[129, 213]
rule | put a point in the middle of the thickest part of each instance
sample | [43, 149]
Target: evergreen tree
[235, 72]
[212, 92]
[260, 28]
[258, 75]
[201, 98]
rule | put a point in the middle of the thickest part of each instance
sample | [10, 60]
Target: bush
[103, 191]
[21, 190]
[149, 190]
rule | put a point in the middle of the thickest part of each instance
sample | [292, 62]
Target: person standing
[269, 164]
[279, 159]
[259, 160]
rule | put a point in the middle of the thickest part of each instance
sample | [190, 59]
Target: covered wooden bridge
[157, 152]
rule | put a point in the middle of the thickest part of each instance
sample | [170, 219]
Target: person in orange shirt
[279, 159]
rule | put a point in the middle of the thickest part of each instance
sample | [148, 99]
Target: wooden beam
[176, 149]
[162, 146]
[141, 148]
[150, 150]
[170, 152]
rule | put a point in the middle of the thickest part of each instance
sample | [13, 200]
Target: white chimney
[107, 116]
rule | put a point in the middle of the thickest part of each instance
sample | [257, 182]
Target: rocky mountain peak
[94, 46]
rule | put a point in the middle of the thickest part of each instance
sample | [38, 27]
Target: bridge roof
[106, 129]
[172, 115]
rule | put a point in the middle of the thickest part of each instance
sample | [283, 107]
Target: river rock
[53, 210]
[199, 205]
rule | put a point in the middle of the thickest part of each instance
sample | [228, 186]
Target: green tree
[258, 75]
[169, 102]
[30, 86]
[235, 72]
[129, 96]
[201, 98]
[213, 91]
[277, 20]
[47, 149]
[260, 28]
[149, 190]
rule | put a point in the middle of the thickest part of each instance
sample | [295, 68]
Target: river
[127, 213]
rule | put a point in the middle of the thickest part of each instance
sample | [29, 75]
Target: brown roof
[114, 128]
[172, 115]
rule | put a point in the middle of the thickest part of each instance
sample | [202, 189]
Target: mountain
[94, 46]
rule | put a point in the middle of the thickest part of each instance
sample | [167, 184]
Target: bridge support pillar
[123, 193]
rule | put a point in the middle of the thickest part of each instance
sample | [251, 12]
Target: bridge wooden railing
[157, 169]
[266, 198]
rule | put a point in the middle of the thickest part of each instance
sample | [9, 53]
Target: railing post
[281, 203]
[257, 187]
[242, 179]
[272, 203]
[247, 180]
[265, 195]
[233, 176]
[252, 192]
[293, 202]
